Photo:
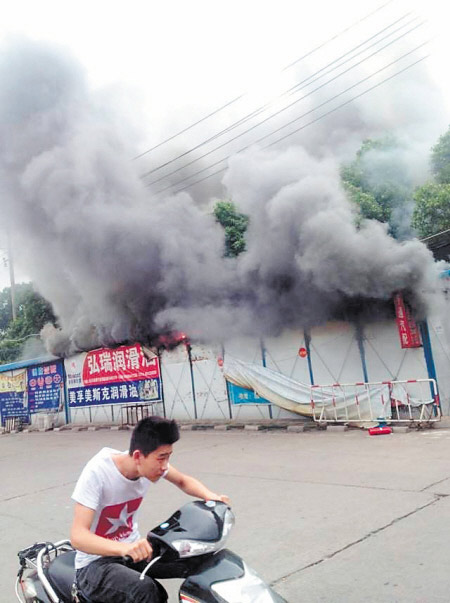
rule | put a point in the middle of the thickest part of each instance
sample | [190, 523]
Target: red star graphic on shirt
[116, 521]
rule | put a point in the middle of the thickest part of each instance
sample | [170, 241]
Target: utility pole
[11, 278]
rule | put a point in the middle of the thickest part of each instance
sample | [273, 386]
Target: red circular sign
[220, 361]
[302, 352]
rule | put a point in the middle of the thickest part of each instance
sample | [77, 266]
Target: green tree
[235, 225]
[5, 309]
[32, 313]
[367, 205]
[378, 183]
[440, 159]
[432, 211]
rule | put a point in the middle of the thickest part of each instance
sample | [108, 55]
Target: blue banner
[147, 390]
[12, 405]
[113, 393]
[239, 395]
[13, 399]
[46, 387]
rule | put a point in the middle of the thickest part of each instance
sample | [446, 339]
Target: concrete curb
[264, 425]
[401, 429]
[296, 428]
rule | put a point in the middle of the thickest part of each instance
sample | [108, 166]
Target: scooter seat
[61, 574]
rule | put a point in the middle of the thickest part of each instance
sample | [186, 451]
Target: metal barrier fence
[410, 401]
[12, 424]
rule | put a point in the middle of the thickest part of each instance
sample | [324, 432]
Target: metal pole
[362, 352]
[12, 278]
[429, 360]
[226, 385]
[66, 396]
[161, 382]
[189, 351]
[264, 363]
[307, 336]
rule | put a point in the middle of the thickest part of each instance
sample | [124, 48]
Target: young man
[107, 496]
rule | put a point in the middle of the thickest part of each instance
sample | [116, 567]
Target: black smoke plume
[119, 264]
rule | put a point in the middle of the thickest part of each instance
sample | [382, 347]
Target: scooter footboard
[225, 577]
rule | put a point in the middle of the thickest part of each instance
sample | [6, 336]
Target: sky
[168, 63]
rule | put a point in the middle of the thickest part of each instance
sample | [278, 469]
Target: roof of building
[439, 244]
[26, 363]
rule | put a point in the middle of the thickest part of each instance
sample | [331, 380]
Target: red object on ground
[380, 430]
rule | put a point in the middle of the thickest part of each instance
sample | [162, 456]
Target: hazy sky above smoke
[106, 251]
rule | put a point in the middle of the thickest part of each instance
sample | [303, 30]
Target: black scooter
[188, 545]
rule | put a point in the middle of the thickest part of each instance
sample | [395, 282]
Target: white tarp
[343, 403]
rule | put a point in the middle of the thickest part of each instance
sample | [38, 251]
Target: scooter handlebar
[127, 559]
[157, 545]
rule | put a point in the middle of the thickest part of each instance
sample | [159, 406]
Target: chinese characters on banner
[113, 376]
[13, 395]
[46, 387]
[239, 395]
[407, 327]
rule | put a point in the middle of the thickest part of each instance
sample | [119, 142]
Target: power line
[295, 131]
[19, 339]
[234, 100]
[297, 87]
[339, 34]
[305, 83]
[279, 112]
[302, 127]
[276, 113]
[361, 94]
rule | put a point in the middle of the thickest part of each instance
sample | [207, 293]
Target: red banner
[407, 327]
[125, 363]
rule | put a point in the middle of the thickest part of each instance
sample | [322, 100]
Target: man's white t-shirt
[114, 498]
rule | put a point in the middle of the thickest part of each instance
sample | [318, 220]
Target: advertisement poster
[113, 376]
[13, 395]
[239, 395]
[46, 387]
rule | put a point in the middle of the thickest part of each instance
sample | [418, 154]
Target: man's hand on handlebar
[141, 550]
[222, 497]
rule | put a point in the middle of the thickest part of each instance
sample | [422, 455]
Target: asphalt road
[326, 517]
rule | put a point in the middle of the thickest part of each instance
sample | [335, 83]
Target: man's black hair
[151, 433]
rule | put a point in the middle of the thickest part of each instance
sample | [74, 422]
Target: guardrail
[13, 424]
[407, 401]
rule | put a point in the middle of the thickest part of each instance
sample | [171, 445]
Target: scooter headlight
[228, 523]
[248, 589]
[192, 548]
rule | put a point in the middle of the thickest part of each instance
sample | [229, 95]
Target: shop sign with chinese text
[113, 376]
[46, 387]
